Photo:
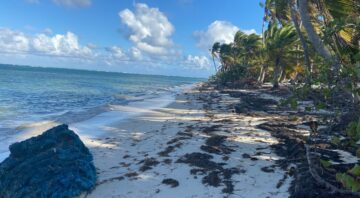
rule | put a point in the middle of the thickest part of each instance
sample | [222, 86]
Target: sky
[166, 37]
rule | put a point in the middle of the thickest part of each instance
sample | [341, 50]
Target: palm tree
[214, 53]
[340, 19]
[279, 43]
[295, 20]
[315, 38]
[246, 47]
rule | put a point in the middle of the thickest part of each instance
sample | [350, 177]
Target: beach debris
[171, 182]
[148, 164]
[200, 160]
[53, 164]
[215, 145]
[214, 173]
[212, 179]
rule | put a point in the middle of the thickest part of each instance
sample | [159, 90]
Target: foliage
[335, 140]
[350, 180]
[355, 170]
[325, 163]
[353, 130]
[285, 51]
[315, 45]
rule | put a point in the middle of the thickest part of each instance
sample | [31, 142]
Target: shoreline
[196, 146]
[208, 142]
[84, 123]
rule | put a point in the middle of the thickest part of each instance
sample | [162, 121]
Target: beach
[205, 141]
[197, 146]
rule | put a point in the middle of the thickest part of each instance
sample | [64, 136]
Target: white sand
[144, 136]
[119, 145]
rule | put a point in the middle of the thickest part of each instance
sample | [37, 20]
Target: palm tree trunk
[276, 73]
[263, 27]
[282, 75]
[261, 77]
[214, 63]
[315, 39]
[302, 40]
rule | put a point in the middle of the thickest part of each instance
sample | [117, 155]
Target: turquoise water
[31, 94]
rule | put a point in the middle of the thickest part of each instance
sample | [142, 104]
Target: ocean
[32, 94]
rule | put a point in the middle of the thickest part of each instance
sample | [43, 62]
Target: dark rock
[171, 182]
[54, 164]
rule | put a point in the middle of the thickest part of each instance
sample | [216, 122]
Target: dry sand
[135, 155]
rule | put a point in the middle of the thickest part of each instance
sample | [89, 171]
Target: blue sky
[169, 37]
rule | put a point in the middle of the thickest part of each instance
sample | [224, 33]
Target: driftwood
[321, 181]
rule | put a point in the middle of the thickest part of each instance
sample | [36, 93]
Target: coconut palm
[247, 47]
[284, 11]
[314, 38]
[214, 53]
[279, 42]
[295, 20]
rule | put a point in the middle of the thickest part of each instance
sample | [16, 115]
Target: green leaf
[335, 140]
[355, 170]
[320, 105]
[307, 108]
[358, 153]
[325, 163]
[293, 103]
[348, 182]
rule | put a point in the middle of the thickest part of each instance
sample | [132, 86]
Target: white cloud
[197, 62]
[73, 3]
[61, 45]
[66, 45]
[117, 53]
[135, 53]
[251, 31]
[150, 29]
[218, 31]
[13, 41]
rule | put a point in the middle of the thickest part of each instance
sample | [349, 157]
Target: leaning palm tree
[284, 11]
[279, 42]
[341, 19]
[214, 53]
[296, 21]
[246, 47]
[315, 39]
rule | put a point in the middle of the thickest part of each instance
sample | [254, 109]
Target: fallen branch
[321, 181]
